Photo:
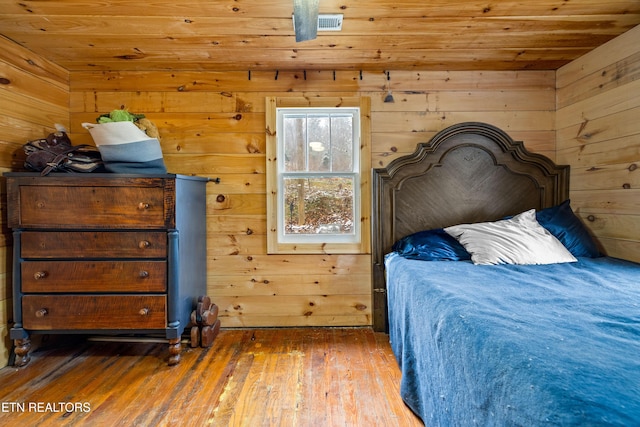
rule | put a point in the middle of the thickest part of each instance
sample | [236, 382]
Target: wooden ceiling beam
[350, 8]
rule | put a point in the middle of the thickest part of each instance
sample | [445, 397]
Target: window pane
[318, 205]
[295, 137]
[342, 143]
[318, 128]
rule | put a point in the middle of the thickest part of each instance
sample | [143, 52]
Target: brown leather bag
[56, 154]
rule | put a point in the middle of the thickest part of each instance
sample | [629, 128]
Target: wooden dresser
[106, 254]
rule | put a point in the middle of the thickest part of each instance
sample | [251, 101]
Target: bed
[483, 338]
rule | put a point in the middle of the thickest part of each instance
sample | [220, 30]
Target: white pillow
[519, 240]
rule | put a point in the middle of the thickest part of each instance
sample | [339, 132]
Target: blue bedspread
[510, 345]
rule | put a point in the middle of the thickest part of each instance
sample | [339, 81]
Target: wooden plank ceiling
[258, 34]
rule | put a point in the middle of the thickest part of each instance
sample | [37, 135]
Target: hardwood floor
[259, 377]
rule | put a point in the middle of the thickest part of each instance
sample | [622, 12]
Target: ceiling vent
[326, 22]
[330, 22]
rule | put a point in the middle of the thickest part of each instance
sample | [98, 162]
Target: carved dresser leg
[23, 346]
[175, 348]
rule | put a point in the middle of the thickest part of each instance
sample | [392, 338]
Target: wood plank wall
[599, 135]
[34, 95]
[213, 124]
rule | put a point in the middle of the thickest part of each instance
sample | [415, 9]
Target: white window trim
[360, 243]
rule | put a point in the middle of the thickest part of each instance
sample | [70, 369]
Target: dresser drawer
[93, 276]
[65, 312]
[93, 244]
[75, 206]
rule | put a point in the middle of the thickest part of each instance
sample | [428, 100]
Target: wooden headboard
[469, 172]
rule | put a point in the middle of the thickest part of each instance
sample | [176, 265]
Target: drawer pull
[144, 273]
[144, 311]
[143, 244]
[40, 275]
[143, 206]
[42, 312]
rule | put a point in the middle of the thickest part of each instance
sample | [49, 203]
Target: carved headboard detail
[469, 172]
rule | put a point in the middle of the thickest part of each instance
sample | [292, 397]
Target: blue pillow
[567, 227]
[431, 245]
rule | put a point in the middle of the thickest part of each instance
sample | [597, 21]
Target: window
[317, 185]
[318, 174]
